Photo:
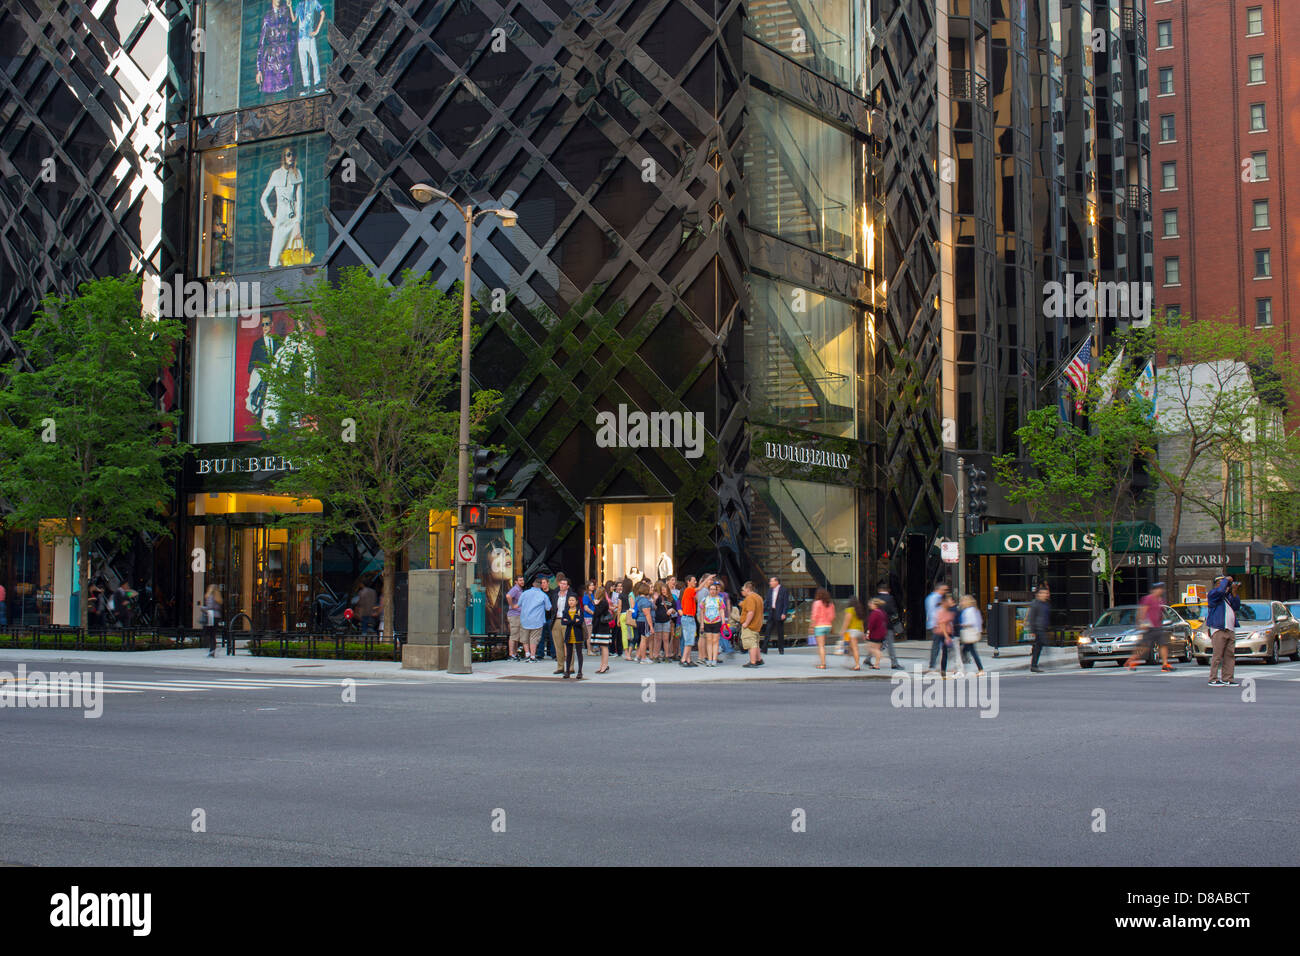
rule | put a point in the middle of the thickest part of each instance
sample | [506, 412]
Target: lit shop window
[800, 175]
[256, 52]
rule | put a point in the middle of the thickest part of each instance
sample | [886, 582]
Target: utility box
[1006, 625]
[429, 619]
[476, 613]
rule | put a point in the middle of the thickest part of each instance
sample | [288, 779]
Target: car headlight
[1085, 639]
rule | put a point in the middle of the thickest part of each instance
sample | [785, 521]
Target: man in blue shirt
[932, 603]
[311, 20]
[1221, 622]
[533, 608]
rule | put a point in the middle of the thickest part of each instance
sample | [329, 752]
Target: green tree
[86, 453]
[1212, 396]
[364, 397]
[1081, 473]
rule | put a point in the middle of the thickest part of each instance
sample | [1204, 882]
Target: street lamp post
[458, 657]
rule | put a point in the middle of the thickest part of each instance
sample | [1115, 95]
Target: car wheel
[1086, 664]
[1273, 656]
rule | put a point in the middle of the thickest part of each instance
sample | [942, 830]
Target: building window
[1261, 213]
[1171, 223]
[1256, 69]
[800, 175]
[1236, 493]
[819, 519]
[217, 212]
[1254, 21]
[1173, 315]
[255, 52]
[801, 354]
[1167, 128]
[1263, 264]
[1260, 162]
[1263, 312]
[816, 33]
[1257, 123]
[1169, 175]
[1166, 80]
[1171, 270]
[1164, 34]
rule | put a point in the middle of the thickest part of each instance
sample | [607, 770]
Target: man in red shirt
[1151, 617]
[688, 622]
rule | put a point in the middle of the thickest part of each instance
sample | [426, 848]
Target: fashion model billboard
[258, 346]
[280, 205]
[285, 50]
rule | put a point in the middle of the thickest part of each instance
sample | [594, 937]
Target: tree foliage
[365, 398]
[85, 453]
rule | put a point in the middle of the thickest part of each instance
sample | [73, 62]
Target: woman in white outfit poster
[285, 183]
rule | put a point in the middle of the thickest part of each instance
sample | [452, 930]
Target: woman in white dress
[286, 222]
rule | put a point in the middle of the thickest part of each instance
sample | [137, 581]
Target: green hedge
[324, 650]
[108, 642]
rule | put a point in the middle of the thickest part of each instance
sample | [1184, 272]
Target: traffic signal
[977, 499]
[483, 475]
[473, 516]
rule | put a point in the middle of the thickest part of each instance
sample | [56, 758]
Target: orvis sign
[1130, 537]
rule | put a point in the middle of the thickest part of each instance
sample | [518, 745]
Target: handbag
[296, 253]
[970, 635]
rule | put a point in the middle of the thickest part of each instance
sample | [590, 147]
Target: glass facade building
[729, 244]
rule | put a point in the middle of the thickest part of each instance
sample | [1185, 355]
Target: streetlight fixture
[458, 659]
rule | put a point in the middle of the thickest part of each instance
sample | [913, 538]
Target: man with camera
[1220, 621]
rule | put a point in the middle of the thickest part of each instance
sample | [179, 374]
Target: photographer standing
[1221, 620]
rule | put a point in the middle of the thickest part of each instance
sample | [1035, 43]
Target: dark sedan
[1116, 634]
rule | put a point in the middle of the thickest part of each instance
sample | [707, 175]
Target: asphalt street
[289, 773]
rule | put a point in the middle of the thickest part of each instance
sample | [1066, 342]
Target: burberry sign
[230, 466]
[805, 456]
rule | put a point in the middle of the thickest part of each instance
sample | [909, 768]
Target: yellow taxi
[1193, 614]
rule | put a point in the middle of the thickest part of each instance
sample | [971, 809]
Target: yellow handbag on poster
[296, 253]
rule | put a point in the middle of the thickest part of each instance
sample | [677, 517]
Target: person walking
[1151, 618]
[712, 611]
[615, 600]
[751, 623]
[211, 617]
[823, 619]
[777, 606]
[534, 609]
[572, 636]
[971, 626]
[877, 630]
[852, 629]
[588, 605]
[688, 609]
[945, 623]
[1037, 622]
[513, 626]
[933, 603]
[1221, 621]
[895, 622]
[557, 625]
[601, 636]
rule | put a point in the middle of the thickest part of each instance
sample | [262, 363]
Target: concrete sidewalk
[798, 663]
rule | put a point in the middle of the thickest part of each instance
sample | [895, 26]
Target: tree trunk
[390, 579]
[83, 577]
[1175, 521]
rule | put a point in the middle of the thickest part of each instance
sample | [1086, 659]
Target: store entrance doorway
[629, 538]
[264, 575]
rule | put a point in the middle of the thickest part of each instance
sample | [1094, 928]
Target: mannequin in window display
[285, 184]
[275, 49]
[263, 352]
[635, 576]
[664, 566]
[310, 17]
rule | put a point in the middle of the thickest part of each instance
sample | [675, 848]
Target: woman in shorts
[853, 625]
[665, 613]
[823, 618]
[712, 610]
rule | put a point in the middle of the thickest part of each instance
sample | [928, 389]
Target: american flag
[1077, 373]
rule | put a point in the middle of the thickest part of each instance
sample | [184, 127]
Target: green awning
[1131, 537]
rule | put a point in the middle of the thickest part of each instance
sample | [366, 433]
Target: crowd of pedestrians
[955, 631]
[693, 622]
